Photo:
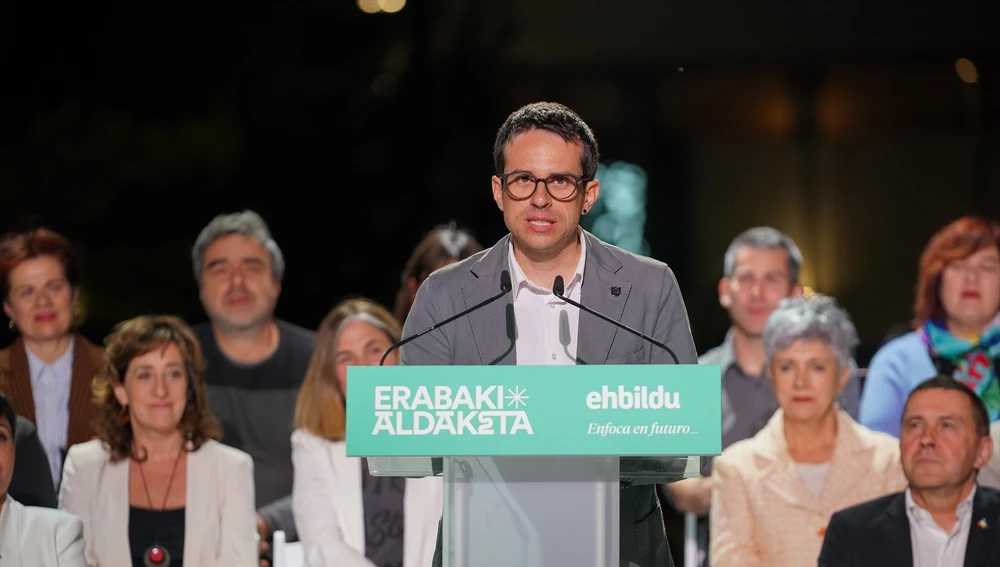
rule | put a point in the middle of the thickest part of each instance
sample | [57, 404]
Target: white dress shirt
[547, 326]
[932, 546]
[50, 387]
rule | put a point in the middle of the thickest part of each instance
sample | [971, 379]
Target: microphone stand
[558, 288]
[505, 287]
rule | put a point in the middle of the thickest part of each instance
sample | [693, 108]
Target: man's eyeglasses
[560, 186]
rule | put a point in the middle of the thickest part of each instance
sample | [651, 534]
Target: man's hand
[263, 532]
[692, 494]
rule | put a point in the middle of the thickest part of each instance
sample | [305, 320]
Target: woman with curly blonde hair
[155, 488]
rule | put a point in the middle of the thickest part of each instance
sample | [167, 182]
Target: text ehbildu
[639, 397]
[480, 410]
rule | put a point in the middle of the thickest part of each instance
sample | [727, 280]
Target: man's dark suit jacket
[877, 534]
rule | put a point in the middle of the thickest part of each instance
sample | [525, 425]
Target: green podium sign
[629, 410]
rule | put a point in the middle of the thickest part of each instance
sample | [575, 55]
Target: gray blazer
[638, 291]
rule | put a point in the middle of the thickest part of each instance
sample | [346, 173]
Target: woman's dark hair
[442, 245]
[553, 117]
[136, 337]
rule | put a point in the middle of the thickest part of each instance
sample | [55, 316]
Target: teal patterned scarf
[974, 360]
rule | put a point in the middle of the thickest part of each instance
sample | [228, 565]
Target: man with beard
[255, 362]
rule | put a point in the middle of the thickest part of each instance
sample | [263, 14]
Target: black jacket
[877, 534]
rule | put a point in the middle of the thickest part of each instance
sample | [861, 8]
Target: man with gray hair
[255, 362]
[761, 267]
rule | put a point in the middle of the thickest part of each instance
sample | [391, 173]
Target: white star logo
[516, 397]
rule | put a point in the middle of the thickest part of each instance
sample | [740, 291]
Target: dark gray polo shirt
[748, 402]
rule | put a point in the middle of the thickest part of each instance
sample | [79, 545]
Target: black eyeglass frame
[577, 179]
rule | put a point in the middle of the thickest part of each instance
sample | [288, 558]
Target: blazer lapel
[198, 504]
[896, 547]
[19, 381]
[780, 475]
[10, 533]
[349, 499]
[115, 511]
[850, 464]
[983, 533]
[82, 410]
[605, 292]
[493, 327]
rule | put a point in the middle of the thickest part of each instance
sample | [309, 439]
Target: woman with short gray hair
[773, 494]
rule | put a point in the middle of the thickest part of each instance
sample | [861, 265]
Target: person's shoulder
[227, 457]
[295, 333]
[88, 348]
[306, 437]
[713, 355]
[989, 497]
[884, 447]
[901, 348]
[864, 514]
[25, 428]
[869, 437]
[204, 333]
[631, 262]
[740, 452]
[91, 453]
[51, 518]
[458, 272]
[306, 441]
[745, 453]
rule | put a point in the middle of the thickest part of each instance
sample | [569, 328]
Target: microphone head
[558, 287]
[505, 284]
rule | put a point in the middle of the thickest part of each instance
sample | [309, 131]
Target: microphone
[505, 287]
[558, 287]
[564, 336]
[511, 334]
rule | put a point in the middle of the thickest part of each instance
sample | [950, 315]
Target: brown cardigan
[87, 361]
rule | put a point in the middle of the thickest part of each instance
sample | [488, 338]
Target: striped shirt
[50, 386]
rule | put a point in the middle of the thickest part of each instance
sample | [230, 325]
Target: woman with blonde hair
[155, 488]
[344, 515]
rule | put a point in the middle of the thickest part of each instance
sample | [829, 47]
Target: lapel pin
[982, 524]
[616, 290]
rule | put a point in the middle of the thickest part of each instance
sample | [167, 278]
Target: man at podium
[545, 160]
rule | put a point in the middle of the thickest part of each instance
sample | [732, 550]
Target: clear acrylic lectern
[534, 511]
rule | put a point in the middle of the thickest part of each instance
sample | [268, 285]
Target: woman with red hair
[48, 367]
[956, 321]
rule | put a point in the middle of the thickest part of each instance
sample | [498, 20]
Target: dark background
[127, 126]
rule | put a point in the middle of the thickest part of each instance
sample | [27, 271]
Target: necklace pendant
[156, 556]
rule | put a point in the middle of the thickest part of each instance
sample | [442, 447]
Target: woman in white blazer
[154, 488]
[29, 536]
[346, 517]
